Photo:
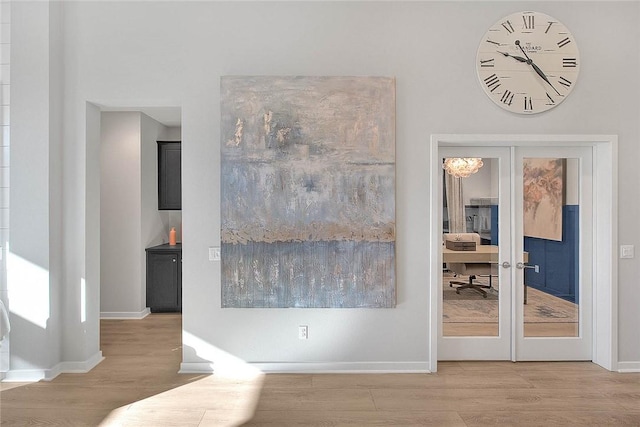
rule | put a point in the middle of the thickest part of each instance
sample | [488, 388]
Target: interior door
[473, 326]
[539, 304]
[553, 224]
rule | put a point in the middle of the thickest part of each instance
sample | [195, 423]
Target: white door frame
[605, 233]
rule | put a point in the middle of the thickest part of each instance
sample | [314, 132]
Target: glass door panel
[475, 290]
[551, 222]
[471, 285]
[554, 232]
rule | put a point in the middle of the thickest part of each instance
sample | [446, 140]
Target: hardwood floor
[138, 385]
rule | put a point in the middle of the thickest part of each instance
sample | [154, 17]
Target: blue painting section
[309, 274]
[558, 261]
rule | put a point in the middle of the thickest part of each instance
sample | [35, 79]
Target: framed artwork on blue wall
[544, 195]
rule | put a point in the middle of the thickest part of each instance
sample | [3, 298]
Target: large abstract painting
[308, 191]
[543, 197]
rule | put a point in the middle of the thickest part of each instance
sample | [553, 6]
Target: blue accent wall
[558, 261]
[494, 225]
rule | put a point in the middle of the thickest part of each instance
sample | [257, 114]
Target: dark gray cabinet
[169, 175]
[164, 278]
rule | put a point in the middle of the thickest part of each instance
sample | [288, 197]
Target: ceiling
[168, 116]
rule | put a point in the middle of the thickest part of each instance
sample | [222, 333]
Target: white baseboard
[25, 375]
[196, 368]
[125, 315]
[345, 367]
[81, 367]
[320, 368]
[34, 375]
[628, 367]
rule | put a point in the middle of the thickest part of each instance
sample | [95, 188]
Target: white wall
[478, 184]
[572, 183]
[5, 85]
[171, 133]
[33, 265]
[116, 55]
[120, 216]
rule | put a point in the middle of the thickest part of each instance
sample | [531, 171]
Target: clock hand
[536, 68]
[541, 74]
[517, 58]
[530, 62]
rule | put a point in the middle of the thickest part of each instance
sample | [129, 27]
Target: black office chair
[471, 269]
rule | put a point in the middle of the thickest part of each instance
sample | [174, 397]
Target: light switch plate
[214, 253]
[627, 251]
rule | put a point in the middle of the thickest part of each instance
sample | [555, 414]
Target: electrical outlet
[303, 332]
[214, 253]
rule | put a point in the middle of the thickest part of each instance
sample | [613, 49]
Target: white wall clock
[528, 62]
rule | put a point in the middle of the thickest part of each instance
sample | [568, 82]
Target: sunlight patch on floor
[224, 399]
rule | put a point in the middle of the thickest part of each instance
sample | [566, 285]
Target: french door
[532, 209]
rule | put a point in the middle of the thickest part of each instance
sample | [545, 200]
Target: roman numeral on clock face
[565, 41]
[549, 27]
[551, 101]
[569, 62]
[507, 97]
[529, 22]
[528, 104]
[564, 82]
[487, 63]
[492, 82]
[507, 26]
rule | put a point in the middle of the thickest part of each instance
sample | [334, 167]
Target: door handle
[522, 266]
[506, 264]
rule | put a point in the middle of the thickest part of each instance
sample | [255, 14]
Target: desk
[482, 254]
